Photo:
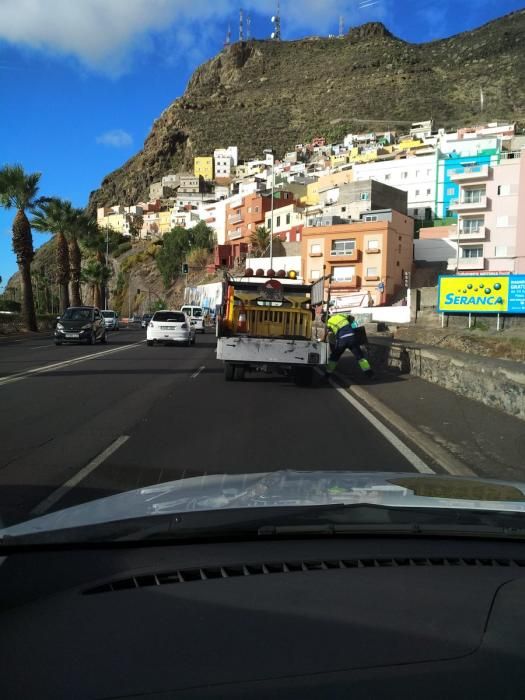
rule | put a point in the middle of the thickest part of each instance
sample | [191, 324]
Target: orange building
[245, 214]
[369, 256]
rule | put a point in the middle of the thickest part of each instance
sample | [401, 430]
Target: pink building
[490, 233]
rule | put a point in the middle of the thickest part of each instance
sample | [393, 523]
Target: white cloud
[104, 34]
[117, 138]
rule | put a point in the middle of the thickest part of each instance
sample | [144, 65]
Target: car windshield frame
[109, 314]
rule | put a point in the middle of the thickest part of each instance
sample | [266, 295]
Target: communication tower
[228, 39]
[248, 27]
[241, 27]
[276, 21]
[341, 26]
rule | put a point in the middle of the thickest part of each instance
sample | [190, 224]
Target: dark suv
[80, 323]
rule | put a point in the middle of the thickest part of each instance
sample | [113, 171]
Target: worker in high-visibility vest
[341, 330]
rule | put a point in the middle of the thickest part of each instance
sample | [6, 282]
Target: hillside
[261, 94]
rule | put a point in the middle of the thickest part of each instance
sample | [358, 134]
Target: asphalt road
[114, 417]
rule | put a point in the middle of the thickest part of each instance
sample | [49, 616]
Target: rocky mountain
[259, 94]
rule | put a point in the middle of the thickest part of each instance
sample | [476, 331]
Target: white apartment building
[225, 161]
[416, 175]
[214, 215]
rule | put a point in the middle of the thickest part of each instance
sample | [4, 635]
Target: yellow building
[164, 222]
[203, 165]
[341, 159]
[409, 144]
[116, 222]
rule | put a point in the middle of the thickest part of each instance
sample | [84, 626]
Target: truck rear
[266, 325]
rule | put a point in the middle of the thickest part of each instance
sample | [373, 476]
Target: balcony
[342, 255]
[235, 218]
[371, 251]
[353, 283]
[315, 255]
[479, 204]
[468, 235]
[466, 264]
[470, 173]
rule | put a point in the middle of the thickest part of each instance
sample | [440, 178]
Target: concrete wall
[496, 383]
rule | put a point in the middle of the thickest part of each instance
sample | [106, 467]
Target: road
[83, 422]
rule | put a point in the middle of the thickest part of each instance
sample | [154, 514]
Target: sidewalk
[452, 434]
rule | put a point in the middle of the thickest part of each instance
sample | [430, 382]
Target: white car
[170, 327]
[196, 314]
[110, 320]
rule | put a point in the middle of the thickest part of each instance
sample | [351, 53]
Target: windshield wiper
[292, 521]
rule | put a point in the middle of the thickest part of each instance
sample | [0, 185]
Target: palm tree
[96, 275]
[18, 190]
[57, 216]
[79, 228]
[260, 240]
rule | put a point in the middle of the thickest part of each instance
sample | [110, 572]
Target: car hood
[286, 488]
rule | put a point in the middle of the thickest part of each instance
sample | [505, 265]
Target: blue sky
[82, 82]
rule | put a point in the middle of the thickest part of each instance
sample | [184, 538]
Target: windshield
[169, 316]
[306, 222]
[78, 315]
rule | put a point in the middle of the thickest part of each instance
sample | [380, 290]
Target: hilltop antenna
[248, 27]
[241, 30]
[276, 21]
[341, 26]
[228, 39]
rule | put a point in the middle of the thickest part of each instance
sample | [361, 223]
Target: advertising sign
[481, 294]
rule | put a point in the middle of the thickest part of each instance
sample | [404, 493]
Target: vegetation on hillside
[192, 246]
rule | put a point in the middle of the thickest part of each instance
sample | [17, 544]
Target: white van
[196, 315]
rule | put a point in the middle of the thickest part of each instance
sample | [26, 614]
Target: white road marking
[42, 507]
[400, 446]
[37, 347]
[196, 374]
[66, 363]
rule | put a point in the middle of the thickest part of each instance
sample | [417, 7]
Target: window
[278, 221]
[473, 196]
[503, 189]
[417, 173]
[343, 274]
[417, 193]
[315, 249]
[502, 221]
[287, 218]
[373, 244]
[370, 217]
[429, 171]
[472, 225]
[249, 210]
[476, 252]
[387, 176]
[343, 247]
[371, 271]
[256, 209]
[404, 175]
[315, 274]
[450, 190]
[343, 209]
[268, 223]
[416, 212]
[428, 191]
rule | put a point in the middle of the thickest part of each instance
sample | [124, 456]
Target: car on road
[170, 327]
[80, 324]
[196, 314]
[110, 320]
[145, 320]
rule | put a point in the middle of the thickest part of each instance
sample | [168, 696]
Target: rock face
[266, 94]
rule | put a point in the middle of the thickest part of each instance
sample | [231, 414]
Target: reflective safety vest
[337, 322]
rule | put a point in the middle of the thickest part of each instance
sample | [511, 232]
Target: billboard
[481, 294]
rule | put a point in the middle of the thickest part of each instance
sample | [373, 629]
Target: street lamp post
[268, 152]
[107, 255]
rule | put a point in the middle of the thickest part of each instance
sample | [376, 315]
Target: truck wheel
[303, 376]
[228, 372]
[238, 374]
[149, 342]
